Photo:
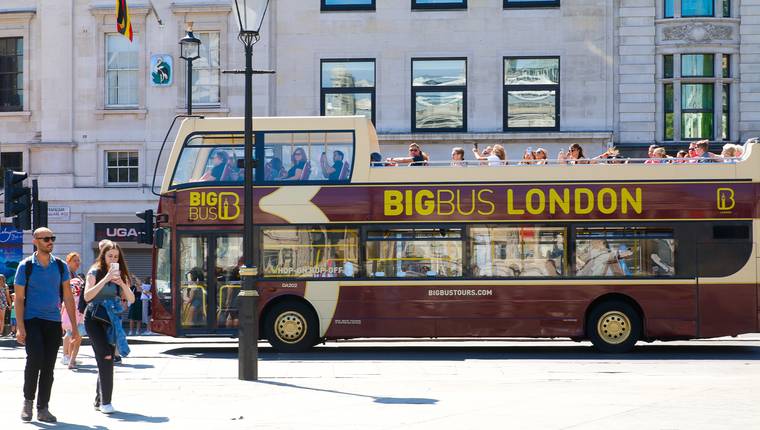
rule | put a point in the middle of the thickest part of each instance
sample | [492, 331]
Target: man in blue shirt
[38, 311]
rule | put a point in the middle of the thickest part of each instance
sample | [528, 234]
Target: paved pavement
[192, 384]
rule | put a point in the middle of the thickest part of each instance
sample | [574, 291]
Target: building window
[726, 8]
[669, 132]
[726, 65]
[122, 167]
[697, 111]
[695, 8]
[531, 3]
[10, 161]
[725, 129]
[439, 4]
[11, 74]
[206, 70]
[329, 5]
[439, 94]
[348, 88]
[531, 93]
[697, 65]
[667, 61]
[122, 69]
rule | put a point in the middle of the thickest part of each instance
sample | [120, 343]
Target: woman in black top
[299, 161]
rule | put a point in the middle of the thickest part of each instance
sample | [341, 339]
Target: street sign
[59, 213]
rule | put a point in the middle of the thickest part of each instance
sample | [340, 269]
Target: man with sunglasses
[38, 311]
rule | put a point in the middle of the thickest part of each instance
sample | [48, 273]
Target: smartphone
[475, 145]
[114, 266]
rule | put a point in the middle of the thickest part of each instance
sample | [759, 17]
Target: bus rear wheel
[291, 326]
[614, 326]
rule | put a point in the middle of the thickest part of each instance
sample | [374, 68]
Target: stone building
[79, 110]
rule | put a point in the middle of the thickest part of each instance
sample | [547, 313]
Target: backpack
[82, 304]
[29, 266]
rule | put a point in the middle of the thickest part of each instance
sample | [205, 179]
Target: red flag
[123, 24]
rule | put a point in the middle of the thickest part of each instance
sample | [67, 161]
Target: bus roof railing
[582, 162]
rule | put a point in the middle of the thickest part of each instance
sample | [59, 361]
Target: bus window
[308, 156]
[208, 164]
[163, 271]
[229, 258]
[517, 251]
[625, 252]
[308, 252]
[414, 253]
[192, 266]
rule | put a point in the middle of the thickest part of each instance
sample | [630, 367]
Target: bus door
[209, 279]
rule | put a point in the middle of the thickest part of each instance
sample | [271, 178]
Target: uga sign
[125, 232]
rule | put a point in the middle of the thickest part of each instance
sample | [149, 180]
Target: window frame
[463, 228]
[259, 238]
[196, 68]
[532, 4]
[447, 5]
[438, 89]
[20, 70]
[106, 70]
[107, 168]
[543, 87]
[711, 112]
[258, 154]
[323, 91]
[324, 7]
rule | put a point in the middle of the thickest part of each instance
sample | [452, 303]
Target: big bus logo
[213, 206]
[726, 200]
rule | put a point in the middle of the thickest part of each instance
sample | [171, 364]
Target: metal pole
[189, 87]
[248, 336]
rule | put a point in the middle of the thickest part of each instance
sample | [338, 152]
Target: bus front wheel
[614, 326]
[291, 326]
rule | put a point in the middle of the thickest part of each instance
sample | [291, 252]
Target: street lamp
[250, 17]
[190, 50]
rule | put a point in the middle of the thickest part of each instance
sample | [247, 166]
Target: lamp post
[250, 17]
[190, 50]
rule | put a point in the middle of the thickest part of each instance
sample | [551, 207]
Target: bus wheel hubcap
[614, 327]
[290, 326]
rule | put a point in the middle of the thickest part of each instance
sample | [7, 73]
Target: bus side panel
[726, 309]
[482, 310]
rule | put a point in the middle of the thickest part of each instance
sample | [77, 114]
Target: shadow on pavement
[138, 418]
[383, 400]
[65, 425]
[460, 353]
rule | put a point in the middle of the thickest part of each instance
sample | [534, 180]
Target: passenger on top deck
[416, 157]
[457, 157]
[332, 171]
[218, 165]
[299, 160]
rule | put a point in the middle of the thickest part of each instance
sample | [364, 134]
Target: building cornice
[197, 6]
[110, 8]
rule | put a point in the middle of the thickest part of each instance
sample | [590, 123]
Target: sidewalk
[192, 384]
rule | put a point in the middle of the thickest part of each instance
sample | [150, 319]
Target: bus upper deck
[337, 150]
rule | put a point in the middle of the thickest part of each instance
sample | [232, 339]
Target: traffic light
[145, 233]
[18, 200]
[15, 192]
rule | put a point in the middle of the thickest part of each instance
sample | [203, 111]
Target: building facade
[85, 111]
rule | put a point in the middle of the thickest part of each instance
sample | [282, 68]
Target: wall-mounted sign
[118, 232]
[10, 236]
[161, 70]
[59, 213]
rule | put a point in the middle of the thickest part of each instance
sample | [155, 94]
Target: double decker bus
[611, 253]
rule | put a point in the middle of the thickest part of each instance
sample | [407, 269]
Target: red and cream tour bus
[612, 253]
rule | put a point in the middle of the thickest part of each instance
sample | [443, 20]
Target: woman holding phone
[107, 284]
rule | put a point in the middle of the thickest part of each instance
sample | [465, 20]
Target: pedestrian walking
[107, 283]
[145, 298]
[135, 309]
[70, 347]
[41, 283]
[5, 302]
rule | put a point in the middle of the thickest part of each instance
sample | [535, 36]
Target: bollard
[248, 336]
